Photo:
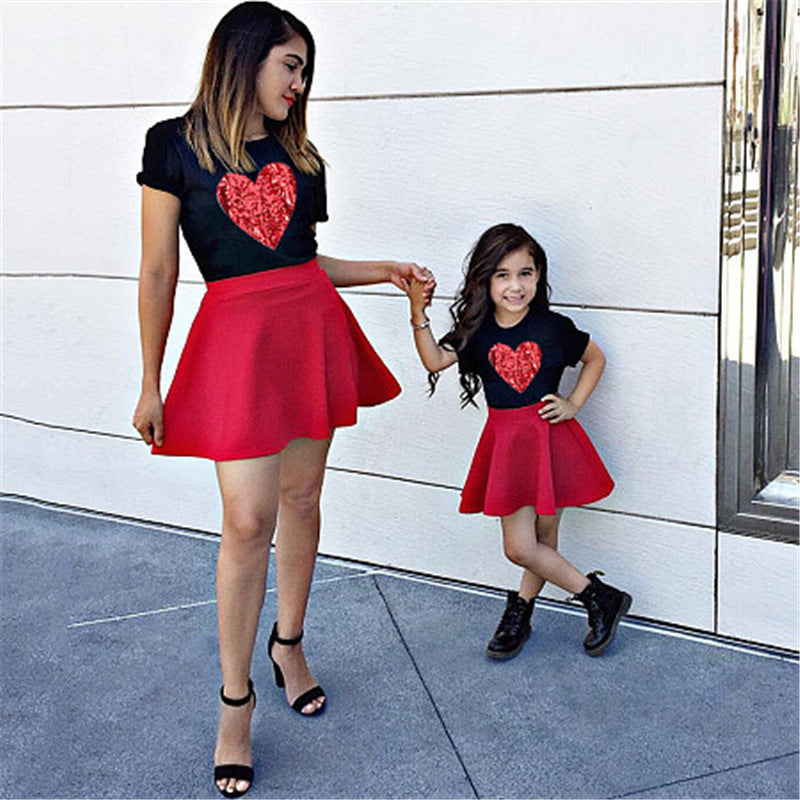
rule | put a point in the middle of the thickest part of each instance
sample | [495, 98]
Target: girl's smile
[512, 286]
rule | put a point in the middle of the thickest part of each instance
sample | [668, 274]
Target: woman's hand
[148, 418]
[403, 274]
[557, 409]
[365, 273]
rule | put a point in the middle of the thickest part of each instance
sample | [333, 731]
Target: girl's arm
[158, 277]
[360, 273]
[434, 357]
[558, 409]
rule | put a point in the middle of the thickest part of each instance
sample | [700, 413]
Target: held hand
[557, 409]
[402, 274]
[418, 296]
[148, 418]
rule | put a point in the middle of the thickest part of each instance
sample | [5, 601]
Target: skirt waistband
[265, 280]
[520, 411]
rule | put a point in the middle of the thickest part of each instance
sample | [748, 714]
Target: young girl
[274, 360]
[533, 458]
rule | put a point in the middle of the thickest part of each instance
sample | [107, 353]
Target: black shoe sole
[500, 655]
[623, 610]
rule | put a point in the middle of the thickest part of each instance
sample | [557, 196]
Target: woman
[274, 360]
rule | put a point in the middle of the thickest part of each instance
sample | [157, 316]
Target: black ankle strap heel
[288, 642]
[241, 701]
[239, 772]
[306, 697]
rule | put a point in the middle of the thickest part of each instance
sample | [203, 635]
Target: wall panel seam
[350, 292]
[54, 426]
[350, 471]
[347, 98]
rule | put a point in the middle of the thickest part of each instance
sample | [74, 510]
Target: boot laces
[596, 573]
[513, 616]
[591, 601]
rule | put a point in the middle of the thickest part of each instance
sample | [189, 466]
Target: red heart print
[516, 367]
[261, 208]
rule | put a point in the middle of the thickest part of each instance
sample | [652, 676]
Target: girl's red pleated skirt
[270, 357]
[523, 460]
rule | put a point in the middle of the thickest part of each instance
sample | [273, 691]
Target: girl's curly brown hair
[473, 303]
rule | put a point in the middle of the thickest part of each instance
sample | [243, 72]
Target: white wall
[595, 125]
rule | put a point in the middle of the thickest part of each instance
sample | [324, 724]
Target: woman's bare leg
[301, 475]
[249, 491]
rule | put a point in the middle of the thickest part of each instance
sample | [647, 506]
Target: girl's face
[512, 286]
[280, 81]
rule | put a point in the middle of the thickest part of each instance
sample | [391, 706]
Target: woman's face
[279, 81]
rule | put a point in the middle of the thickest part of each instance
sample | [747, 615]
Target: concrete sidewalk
[110, 682]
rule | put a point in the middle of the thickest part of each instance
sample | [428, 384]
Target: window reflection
[759, 487]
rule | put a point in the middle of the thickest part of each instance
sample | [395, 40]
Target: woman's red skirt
[270, 357]
[523, 460]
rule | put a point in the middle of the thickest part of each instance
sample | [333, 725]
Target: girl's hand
[434, 357]
[148, 418]
[402, 275]
[419, 296]
[557, 409]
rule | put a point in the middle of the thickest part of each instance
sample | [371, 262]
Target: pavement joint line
[425, 687]
[705, 775]
[201, 603]
[762, 651]
[138, 614]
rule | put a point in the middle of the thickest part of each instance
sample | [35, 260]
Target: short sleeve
[320, 202]
[161, 162]
[574, 341]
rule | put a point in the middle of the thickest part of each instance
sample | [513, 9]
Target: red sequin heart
[516, 367]
[262, 209]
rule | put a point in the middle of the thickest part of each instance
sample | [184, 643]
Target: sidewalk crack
[704, 775]
[425, 687]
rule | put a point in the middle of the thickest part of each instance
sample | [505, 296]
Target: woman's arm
[558, 409]
[361, 273]
[434, 357]
[158, 277]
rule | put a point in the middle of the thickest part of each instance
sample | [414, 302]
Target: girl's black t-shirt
[521, 364]
[237, 223]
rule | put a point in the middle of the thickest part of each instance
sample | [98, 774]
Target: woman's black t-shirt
[521, 364]
[237, 223]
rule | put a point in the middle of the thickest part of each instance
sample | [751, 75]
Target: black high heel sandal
[238, 772]
[304, 699]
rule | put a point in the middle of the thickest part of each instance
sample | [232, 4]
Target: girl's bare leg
[546, 533]
[301, 474]
[522, 547]
[249, 491]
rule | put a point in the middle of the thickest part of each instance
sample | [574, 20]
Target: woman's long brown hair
[216, 120]
[473, 303]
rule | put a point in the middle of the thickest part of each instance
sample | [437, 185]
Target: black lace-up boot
[606, 606]
[514, 628]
